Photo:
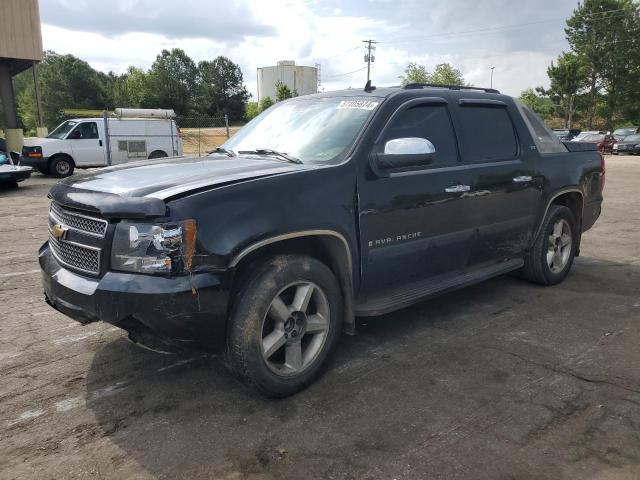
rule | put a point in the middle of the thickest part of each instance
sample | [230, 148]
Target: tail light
[604, 171]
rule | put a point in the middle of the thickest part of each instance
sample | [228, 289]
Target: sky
[519, 38]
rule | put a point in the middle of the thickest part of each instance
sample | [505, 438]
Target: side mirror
[399, 153]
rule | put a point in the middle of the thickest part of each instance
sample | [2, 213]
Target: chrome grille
[76, 221]
[76, 256]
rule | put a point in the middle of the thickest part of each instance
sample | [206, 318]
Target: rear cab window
[544, 138]
[489, 132]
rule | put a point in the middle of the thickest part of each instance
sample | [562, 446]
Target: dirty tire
[253, 319]
[61, 166]
[536, 267]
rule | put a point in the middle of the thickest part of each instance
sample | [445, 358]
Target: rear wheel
[61, 166]
[552, 255]
[285, 322]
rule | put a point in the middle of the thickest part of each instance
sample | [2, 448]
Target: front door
[86, 145]
[415, 223]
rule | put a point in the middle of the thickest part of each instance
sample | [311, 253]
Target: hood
[39, 142]
[140, 188]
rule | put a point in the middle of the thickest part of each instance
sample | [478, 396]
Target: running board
[406, 295]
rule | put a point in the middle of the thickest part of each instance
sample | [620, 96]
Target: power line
[341, 53]
[345, 74]
[411, 38]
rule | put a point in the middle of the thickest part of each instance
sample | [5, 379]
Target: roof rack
[410, 86]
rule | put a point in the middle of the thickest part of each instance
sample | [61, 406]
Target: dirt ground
[503, 380]
[200, 141]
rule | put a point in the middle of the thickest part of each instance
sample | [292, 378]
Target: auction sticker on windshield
[357, 104]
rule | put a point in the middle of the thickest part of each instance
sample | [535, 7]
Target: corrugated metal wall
[20, 34]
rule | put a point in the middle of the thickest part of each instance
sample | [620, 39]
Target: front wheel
[552, 255]
[61, 167]
[285, 321]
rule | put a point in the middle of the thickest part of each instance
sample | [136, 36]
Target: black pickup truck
[323, 208]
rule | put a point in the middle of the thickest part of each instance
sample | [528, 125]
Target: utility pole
[492, 68]
[368, 57]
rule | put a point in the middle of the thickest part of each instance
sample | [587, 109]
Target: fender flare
[349, 317]
[550, 202]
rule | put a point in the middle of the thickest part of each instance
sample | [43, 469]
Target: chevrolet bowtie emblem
[58, 231]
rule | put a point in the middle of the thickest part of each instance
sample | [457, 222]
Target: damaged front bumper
[180, 310]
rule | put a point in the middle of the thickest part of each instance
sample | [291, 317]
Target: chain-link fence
[202, 134]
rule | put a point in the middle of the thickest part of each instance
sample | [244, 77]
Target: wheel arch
[573, 199]
[157, 151]
[327, 246]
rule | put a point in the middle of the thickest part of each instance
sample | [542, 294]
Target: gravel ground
[498, 381]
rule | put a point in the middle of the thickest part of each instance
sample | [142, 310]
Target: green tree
[415, 73]
[445, 74]
[568, 78]
[252, 110]
[65, 81]
[220, 89]
[604, 35]
[283, 92]
[171, 82]
[542, 105]
[265, 102]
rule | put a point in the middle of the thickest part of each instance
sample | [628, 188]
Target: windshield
[632, 138]
[314, 130]
[62, 129]
[594, 138]
[623, 132]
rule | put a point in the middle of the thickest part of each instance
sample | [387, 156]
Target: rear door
[415, 224]
[504, 191]
[87, 145]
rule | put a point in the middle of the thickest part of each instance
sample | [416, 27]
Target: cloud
[518, 37]
[226, 21]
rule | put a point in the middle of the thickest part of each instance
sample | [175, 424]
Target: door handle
[457, 189]
[100, 142]
[523, 179]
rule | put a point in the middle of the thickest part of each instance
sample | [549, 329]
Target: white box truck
[129, 135]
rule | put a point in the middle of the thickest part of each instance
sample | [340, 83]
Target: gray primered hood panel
[165, 178]
[139, 189]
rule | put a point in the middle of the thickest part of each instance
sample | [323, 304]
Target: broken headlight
[154, 248]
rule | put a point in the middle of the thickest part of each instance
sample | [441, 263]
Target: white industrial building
[303, 80]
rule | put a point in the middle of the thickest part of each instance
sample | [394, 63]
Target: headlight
[154, 248]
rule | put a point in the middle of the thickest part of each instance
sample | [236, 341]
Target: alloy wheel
[560, 244]
[295, 328]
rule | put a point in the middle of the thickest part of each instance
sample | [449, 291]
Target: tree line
[207, 88]
[596, 84]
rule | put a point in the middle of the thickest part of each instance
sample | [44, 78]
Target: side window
[543, 136]
[431, 122]
[85, 131]
[489, 133]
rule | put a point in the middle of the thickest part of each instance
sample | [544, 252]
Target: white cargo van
[129, 135]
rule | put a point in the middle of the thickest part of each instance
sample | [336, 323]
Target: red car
[605, 142]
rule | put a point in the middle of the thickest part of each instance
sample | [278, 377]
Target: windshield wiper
[229, 153]
[268, 151]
